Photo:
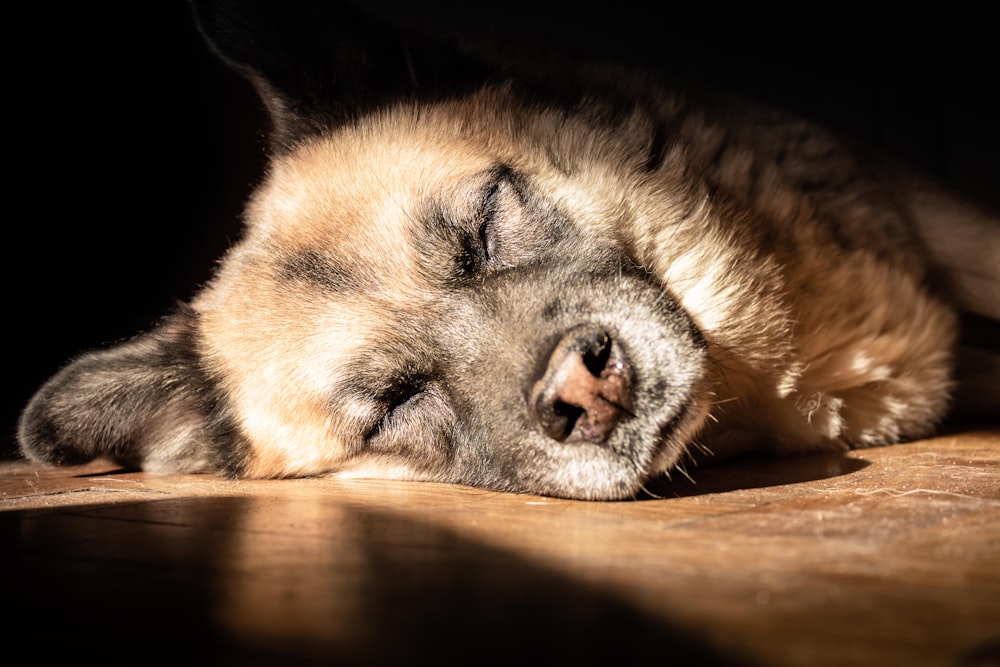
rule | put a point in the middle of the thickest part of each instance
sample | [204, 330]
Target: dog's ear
[144, 403]
[316, 64]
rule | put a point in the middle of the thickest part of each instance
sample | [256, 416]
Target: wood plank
[887, 556]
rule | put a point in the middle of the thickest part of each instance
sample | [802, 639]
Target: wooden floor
[882, 557]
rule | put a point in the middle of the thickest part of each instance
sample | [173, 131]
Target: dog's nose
[586, 388]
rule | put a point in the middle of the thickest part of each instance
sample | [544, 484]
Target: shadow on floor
[260, 582]
[754, 472]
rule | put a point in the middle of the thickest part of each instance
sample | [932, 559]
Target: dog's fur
[466, 272]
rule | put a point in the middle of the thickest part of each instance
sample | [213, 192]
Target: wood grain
[887, 556]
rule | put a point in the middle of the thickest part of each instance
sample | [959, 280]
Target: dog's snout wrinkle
[585, 389]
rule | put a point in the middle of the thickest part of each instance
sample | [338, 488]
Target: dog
[570, 282]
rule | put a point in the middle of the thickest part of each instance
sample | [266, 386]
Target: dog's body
[566, 290]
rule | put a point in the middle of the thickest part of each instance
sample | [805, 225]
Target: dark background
[130, 149]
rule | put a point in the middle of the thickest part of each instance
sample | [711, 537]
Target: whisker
[644, 489]
[681, 470]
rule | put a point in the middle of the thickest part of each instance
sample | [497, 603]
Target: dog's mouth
[586, 388]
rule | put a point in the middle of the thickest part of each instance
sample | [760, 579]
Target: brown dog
[561, 283]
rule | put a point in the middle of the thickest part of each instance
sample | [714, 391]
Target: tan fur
[799, 349]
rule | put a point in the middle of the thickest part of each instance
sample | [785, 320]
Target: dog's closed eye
[394, 405]
[414, 420]
[479, 249]
[487, 228]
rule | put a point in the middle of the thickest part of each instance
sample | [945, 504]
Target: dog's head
[441, 278]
